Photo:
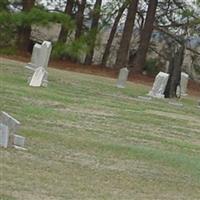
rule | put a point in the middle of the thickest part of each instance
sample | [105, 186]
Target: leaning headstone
[4, 136]
[37, 77]
[122, 78]
[8, 128]
[10, 122]
[159, 85]
[184, 83]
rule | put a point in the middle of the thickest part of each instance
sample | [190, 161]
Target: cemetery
[91, 137]
[99, 100]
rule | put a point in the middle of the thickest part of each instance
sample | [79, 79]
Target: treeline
[82, 20]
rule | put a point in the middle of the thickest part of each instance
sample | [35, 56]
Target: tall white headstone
[184, 83]
[122, 78]
[159, 85]
[40, 56]
[37, 77]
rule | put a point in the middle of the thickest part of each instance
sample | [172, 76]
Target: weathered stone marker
[19, 140]
[184, 83]
[8, 128]
[159, 85]
[40, 59]
[4, 136]
[122, 78]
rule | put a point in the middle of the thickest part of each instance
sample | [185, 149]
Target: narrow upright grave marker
[4, 135]
[36, 58]
[159, 85]
[122, 78]
[40, 59]
[184, 83]
[40, 56]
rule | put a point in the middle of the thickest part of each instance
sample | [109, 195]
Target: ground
[87, 139]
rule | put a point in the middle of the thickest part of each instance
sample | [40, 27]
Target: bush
[151, 66]
[74, 49]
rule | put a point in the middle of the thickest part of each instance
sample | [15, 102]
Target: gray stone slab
[10, 122]
[159, 85]
[4, 136]
[38, 77]
[18, 140]
[184, 83]
[40, 56]
[122, 78]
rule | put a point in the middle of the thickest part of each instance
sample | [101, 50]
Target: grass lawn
[88, 140]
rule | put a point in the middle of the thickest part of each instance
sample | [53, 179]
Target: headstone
[10, 122]
[40, 56]
[159, 85]
[37, 77]
[184, 83]
[4, 136]
[19, 140]
[122, 78]
[8, 128]
[35, 58]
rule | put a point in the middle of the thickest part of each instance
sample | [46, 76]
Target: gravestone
[184, 83]
[38, 77]
[8, 128]
[40, 56]
[19, 140]
[4, 136]
[122, 78]
[40, 59]
[159, 85]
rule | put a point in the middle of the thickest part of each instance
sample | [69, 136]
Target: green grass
[87, 139]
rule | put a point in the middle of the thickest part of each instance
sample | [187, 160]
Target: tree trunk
[94, 27]
[80, 18]
[174, 73]
[112, 34]
[23, 39]
[139, 61]
[64, 31]
[122, 53]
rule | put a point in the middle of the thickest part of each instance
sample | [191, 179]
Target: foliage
[74, 49]
[151, 66]
[9, 22]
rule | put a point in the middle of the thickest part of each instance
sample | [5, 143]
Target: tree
[80, 18]
[139, 61]
[112, 33]
[94, 29]
[175, 68]
[24, 32]
[122, 53]
[64, 31]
